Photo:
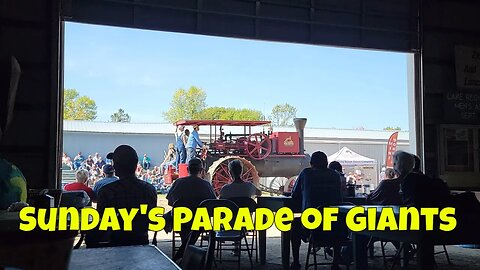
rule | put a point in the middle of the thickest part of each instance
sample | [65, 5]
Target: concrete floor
[461, 258]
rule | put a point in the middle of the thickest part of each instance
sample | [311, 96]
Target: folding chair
[228, 236]
[251, 204]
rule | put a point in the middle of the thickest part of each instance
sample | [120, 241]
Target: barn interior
[442, 35]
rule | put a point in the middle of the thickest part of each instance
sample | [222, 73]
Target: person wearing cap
[180, 145]
[192, 143]
[315, 186]
[127, 192]
[109, 177]
[192, 187]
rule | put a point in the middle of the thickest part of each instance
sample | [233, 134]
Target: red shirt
[79, 186]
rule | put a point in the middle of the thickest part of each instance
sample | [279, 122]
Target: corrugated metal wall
[377, 24]
[30, 31]
[445, 24]
[154, 145]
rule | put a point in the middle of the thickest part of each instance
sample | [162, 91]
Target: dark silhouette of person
[128, 192]
[315, 186]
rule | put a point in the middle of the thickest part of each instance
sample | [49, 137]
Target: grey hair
[81, 175]
[403, 163]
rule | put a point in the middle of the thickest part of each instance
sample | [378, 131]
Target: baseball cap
[123, 154]
[108, 169]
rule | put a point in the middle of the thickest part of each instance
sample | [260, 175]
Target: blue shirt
[317, 187]
[179, 139]
[103, 182]
[193, 140]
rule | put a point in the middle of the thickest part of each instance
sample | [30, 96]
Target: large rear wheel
[219, 175]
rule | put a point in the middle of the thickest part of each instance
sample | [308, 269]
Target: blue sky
[138, 70]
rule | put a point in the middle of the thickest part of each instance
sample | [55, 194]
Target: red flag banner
[391, 148]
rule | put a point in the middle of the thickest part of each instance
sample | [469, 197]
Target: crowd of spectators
[94, 165]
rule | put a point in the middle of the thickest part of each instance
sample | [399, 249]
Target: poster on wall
[467, 67]
[462, 107]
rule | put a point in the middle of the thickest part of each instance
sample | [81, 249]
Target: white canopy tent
[347, 157]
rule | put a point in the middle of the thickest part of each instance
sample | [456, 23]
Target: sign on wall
[462, 107]
[467, 66]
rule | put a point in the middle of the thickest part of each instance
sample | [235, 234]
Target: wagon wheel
[277, 185]
[259, 146]
[219, 175]
[288, 188]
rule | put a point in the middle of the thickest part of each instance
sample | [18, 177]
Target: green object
[13, 186]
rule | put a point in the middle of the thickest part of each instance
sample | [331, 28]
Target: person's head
[187, 132]
[196, 127]
[336, 166]
[403, 163]
[195, 166]
[181, 128]
[389, 173]
[418, 164]
[81, 176]
[89, 156]
[171, 146]
[235, 167]
[125, 160]
[319, 160]
[108, 170]
[79, 154]
[64, 154]
[144, 155]
[96, 154]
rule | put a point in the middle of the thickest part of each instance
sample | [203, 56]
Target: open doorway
[128, 86]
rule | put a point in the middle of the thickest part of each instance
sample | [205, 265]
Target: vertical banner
[391, 148]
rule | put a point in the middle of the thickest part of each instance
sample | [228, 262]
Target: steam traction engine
[264, 154]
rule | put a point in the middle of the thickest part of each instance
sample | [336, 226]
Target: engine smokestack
[300, 126]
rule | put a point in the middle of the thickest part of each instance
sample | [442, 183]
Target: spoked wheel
[219, 175]
[259, 146]
[277, 185]
[290, 183]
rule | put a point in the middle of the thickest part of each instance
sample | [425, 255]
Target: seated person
[316, 186]
[127, 192]
[66, 161]
[238, 188]
[192, 187]
[170, 158]
[81, 177]
[420, 190]
[13, 186]
[109, 177]
[336, 166]
[387, 192]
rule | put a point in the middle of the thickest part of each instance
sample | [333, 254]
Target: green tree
[228, 113]
[392, 128]
[283, 114]
[120, 116]
[76, 107]
[186, 104]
